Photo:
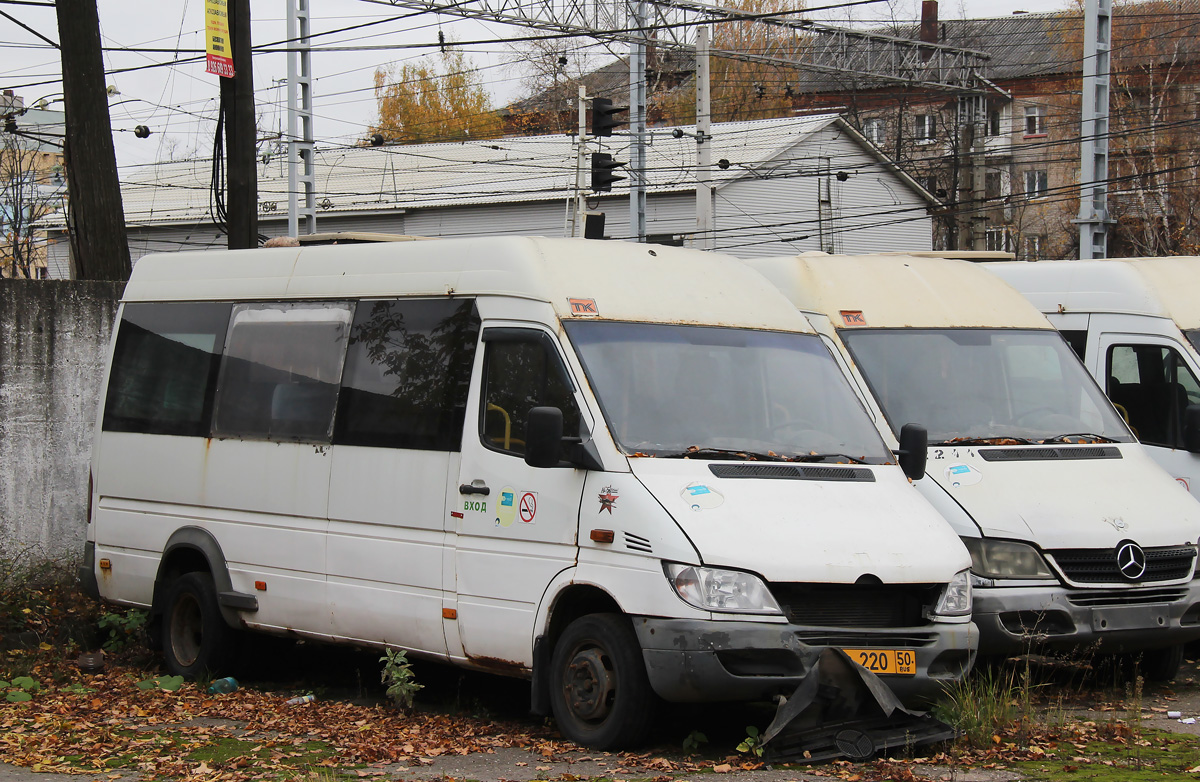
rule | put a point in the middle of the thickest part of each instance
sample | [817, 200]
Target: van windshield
[984, 384]
[724, 393]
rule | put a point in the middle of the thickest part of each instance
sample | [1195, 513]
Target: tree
[423, 102]
[1154, 192]
[741, 90]
[30, 188]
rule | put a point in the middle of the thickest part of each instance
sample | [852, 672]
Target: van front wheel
[598, 687]
[195, 638]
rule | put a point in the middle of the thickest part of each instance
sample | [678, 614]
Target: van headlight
[956, 600]
[721, 590]
[1005, 559]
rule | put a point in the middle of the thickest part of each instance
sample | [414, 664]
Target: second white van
[1079, 541]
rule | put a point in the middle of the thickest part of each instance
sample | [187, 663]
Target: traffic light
[602, 175]
[603, 120]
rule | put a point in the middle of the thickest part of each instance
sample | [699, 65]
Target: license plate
[896, 662]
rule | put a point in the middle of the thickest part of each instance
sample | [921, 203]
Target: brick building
[1003, 154]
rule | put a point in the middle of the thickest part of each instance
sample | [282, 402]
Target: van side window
[164, 368]
[281, 371]
[408, 371]
[521, 373]
[1077, 340]
[1151, 385]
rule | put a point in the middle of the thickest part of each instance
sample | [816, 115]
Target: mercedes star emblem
[1131, 561]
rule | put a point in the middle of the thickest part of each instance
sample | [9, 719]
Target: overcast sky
[178, 102]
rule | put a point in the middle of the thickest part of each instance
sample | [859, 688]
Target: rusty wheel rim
[590, 684]
[187, 629]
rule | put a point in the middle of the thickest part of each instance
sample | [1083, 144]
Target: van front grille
[856, 605]
[1099, 566]
[1102, 598]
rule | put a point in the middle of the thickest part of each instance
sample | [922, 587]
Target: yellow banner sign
[216, 35]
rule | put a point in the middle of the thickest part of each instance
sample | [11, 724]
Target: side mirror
[914, 450]
[1191, 428]
[543, 437]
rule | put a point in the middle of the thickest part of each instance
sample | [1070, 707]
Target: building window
[923, 127]
[995, 185]
[1035, 120]
[1036, 183]
[997, 240]
[1034, 245]
[993, 123]
[873, 130]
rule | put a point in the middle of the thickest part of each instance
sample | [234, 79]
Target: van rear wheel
[599, 692]
[195, 639]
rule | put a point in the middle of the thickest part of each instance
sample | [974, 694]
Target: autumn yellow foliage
[434, 100]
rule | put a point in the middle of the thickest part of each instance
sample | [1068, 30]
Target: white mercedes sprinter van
[1136, 325]
[1079, 541]
[623, 471]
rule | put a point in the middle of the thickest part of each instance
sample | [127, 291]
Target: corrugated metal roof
[509, 170]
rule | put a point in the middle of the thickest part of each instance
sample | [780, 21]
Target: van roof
[1165, 287]
[900, 291]
[626, 281]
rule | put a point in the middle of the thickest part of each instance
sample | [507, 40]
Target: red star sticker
[607, 499]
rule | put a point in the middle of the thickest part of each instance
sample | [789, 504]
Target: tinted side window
[519, 376]
[407, 374]
[1077, 340]
[1151, 386]
[281, 371]
[165, 367]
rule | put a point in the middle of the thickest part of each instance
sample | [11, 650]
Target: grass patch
[985, 704]
[1157, 755]
[285, 755]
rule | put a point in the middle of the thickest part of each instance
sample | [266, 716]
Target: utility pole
[1093, 145]
[637, 126]
[704, 197]
[241, 133]
[576, 223]
[96, 219]
[300, 122]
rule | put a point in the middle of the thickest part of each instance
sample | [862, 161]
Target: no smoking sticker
[528, 507]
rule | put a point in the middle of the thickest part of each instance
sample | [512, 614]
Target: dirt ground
[344, 677]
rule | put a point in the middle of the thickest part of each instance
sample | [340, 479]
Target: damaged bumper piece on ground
[696, 661]
[843, 710]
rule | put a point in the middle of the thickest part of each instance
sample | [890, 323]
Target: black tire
[1161, 665]
[599, 692]
[195, 639]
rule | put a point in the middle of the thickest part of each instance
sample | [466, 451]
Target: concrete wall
[53, 339]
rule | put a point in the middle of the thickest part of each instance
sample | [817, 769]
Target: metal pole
[704, 194]
[580, 161]
[300, 122]
[637, 125]
[1093, 146]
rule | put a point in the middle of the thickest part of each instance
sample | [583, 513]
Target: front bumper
[1019, 620]
[690, 660]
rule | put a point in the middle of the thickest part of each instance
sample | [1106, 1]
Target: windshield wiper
[825, 457]
[1094, 438]
[987, 441]
[717, 453]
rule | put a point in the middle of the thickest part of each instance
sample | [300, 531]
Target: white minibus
[1136, 325]
[1079, 541]
[625, 472]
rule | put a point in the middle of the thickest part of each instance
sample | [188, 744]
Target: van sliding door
[396, 446]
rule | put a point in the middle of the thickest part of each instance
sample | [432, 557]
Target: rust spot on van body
[502, 667]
